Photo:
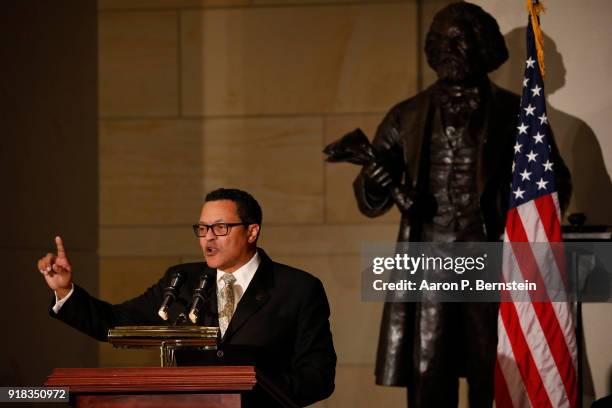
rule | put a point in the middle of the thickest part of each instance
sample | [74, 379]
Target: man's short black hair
[247, 207]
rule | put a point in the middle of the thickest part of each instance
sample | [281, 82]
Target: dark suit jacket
[282, 318]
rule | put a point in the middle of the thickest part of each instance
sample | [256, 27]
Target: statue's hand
[377, 178]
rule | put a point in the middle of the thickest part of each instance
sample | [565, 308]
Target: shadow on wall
[592, 190]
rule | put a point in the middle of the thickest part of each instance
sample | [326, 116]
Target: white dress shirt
[243, 276]
[59, 302]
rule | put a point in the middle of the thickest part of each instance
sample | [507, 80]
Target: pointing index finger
[61, 252]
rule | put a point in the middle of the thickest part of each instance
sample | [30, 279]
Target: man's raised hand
[57, 270]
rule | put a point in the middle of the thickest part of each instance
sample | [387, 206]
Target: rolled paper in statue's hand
[354, 147]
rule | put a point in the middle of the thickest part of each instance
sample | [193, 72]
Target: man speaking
[258, 304]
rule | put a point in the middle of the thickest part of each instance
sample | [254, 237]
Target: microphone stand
[170, 294]
[199, 298]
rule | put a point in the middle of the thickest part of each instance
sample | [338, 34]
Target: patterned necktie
[226, 302]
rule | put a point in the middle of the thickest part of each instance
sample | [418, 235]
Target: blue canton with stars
[532, 169]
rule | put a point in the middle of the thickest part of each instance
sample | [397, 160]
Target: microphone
[198, 298]
[170, 294]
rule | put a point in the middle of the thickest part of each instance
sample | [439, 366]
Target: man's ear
[253, 233]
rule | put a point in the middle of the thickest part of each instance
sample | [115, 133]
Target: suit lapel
[256, 295]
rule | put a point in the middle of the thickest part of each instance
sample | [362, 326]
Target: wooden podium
[166, 387]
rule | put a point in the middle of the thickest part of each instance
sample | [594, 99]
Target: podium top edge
[163, 331]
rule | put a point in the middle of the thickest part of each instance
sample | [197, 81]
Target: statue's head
[464, 43]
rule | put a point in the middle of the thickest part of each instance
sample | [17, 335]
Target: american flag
[536, 352]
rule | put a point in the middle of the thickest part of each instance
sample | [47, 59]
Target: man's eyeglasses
[219, 229]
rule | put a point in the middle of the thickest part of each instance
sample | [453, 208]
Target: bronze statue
[447, 153]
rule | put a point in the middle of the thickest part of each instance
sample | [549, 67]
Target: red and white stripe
[536, 352]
